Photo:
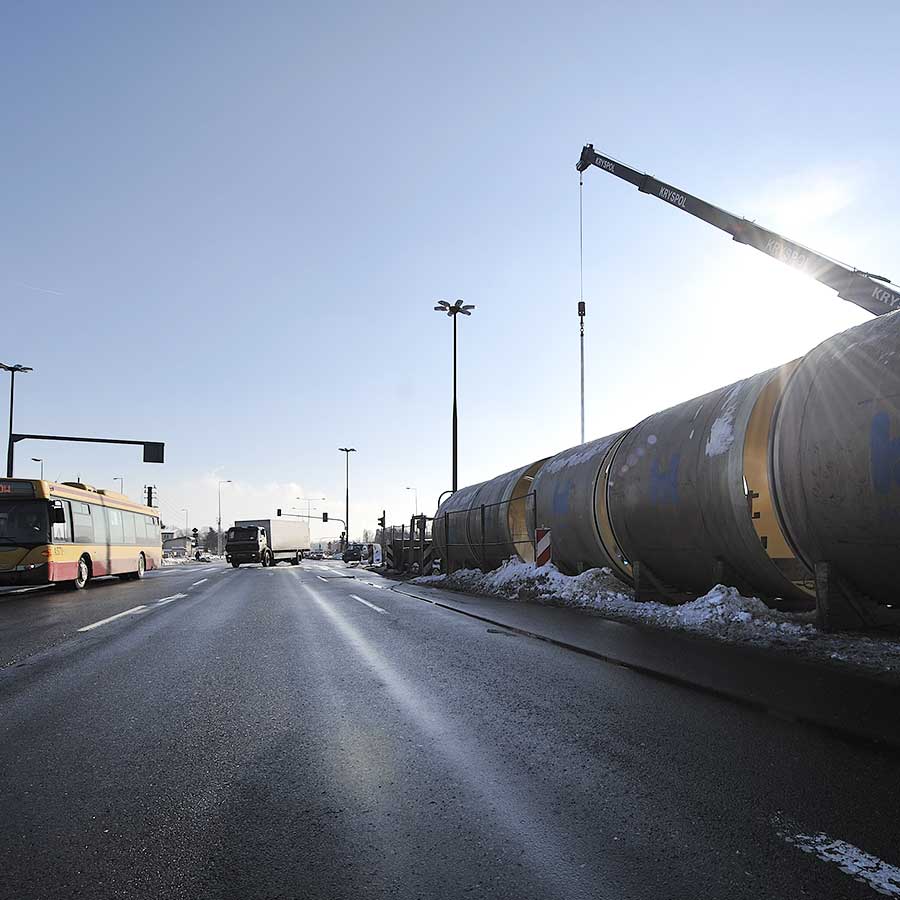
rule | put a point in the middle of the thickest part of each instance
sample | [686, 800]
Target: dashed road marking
[370, 605]
[199, 582]
[128, 612]
[170, 599]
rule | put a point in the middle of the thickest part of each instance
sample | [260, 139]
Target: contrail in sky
[32, 287]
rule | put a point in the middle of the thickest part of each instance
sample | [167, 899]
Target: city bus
[70, 533]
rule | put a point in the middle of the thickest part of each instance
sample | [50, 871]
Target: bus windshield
[24, 522]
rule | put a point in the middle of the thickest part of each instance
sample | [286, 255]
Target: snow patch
[721, 436]
[577, 455]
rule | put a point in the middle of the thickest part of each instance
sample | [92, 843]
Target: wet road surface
[308, 732]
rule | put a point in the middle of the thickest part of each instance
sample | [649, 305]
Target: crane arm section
[865, 290]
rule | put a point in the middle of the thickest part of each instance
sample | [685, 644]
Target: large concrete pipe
[488, 522]
[571, 501]
[786, 484]
[690, 495]
[837, 466]
[501, 518]
[450, 529]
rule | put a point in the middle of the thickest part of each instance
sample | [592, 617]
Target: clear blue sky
[225, 226]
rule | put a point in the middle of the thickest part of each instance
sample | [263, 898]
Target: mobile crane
[871, 292]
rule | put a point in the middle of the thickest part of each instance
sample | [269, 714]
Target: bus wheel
[82, 574]
[141, 568]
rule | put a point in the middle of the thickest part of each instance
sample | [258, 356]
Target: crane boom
[862, 288]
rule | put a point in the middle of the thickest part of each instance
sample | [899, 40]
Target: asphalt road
[298, 733]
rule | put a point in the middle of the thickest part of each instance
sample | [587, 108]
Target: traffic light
[278, 512]
[194, 535]
[381, 520]
[151, 495]
[324, 517]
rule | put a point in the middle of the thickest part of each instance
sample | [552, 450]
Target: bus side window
[128, 527]
[99, 515]
[82, 523]
[116, 526]
[62, 533]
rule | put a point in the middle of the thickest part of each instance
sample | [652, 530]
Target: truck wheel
[235, 563]
[296, 560]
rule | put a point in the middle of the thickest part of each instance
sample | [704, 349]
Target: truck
[266, 541]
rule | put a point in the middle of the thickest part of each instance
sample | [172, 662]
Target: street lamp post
[35, 459]
[453, 310]
[348, 451]
[219, 524]
[12, 393]
[121, 481]
[185, 522]
[416, 498]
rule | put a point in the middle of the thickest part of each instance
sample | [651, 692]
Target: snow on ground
[722, 613]
[187, 560]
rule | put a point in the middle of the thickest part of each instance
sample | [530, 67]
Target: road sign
[542, 554]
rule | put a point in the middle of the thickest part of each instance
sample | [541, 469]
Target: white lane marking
[370, 605]
[321, 578]
[170, 599]
[199, 582]
[859, 865]
[372, 584]
[128, 612]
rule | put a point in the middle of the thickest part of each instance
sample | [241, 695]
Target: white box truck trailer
[267, 541]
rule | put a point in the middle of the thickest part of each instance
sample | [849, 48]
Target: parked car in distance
[353, 553]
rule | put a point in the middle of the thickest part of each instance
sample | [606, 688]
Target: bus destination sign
[16, 488]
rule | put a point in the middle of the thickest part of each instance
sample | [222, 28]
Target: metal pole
[454, 403]
[347, 501]
[9, 452]
[219, 523]
[581, 308]
[581, 317]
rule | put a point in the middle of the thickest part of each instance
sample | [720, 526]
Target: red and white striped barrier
[542, 554]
